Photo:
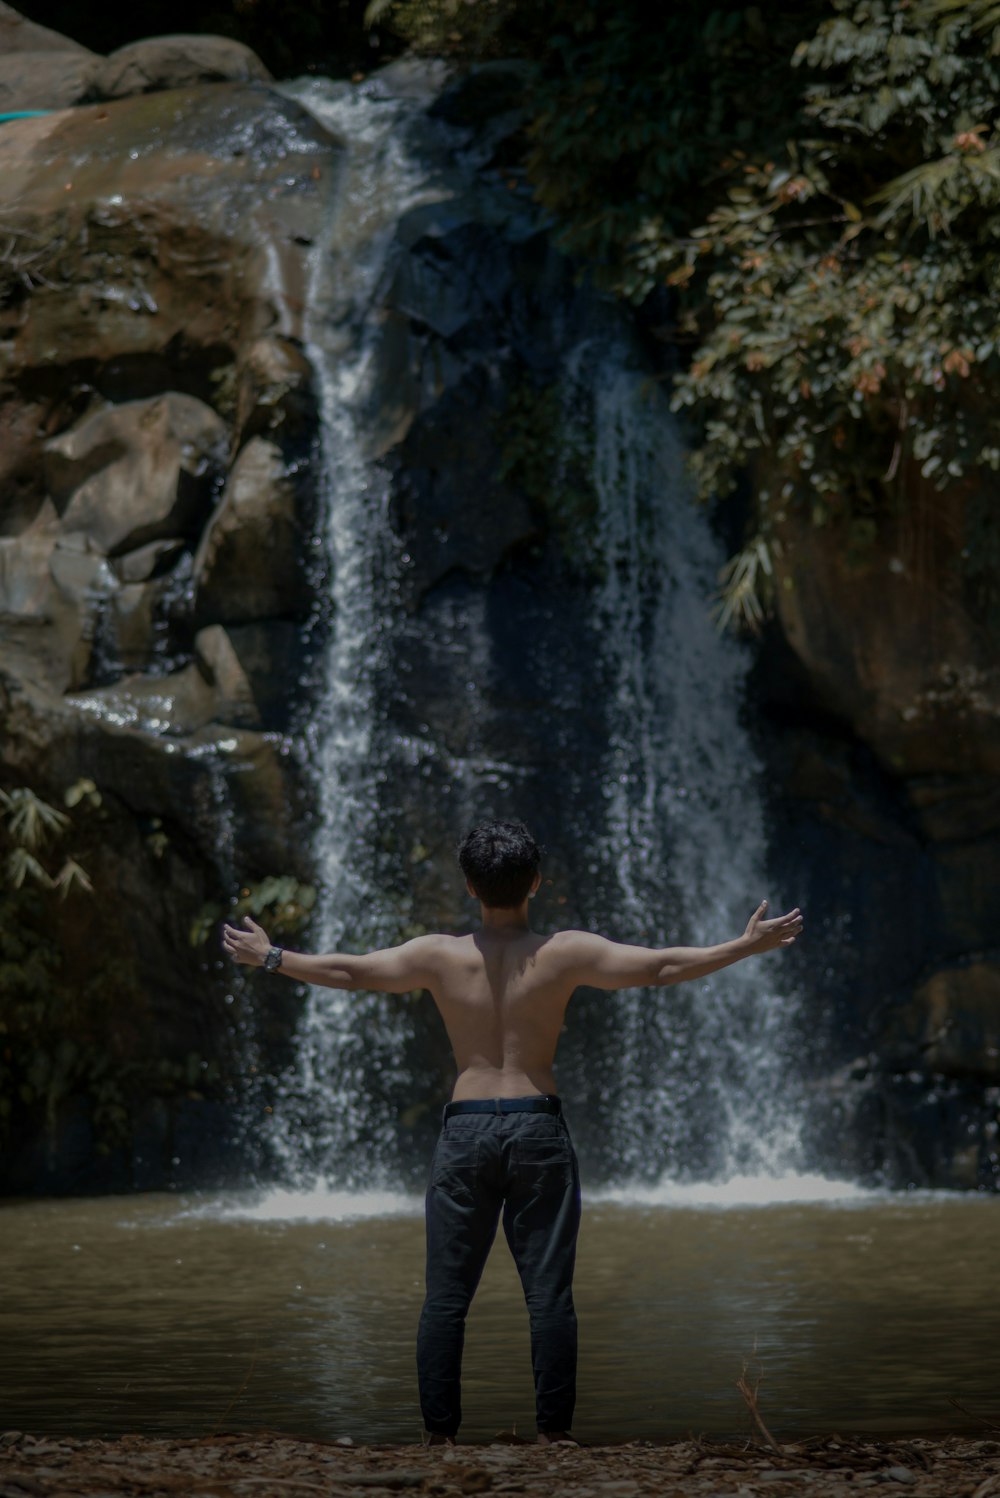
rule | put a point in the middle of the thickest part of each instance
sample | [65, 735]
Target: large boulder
[43, 70]
[176, 238]
[160, 62]
[898, 638]
[250, 668]
[39, 68]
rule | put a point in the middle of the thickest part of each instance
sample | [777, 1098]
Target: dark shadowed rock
[275, 390]
[246, 564]
[233, 699]
[147, 561]
[250, 668]
[953, 1021]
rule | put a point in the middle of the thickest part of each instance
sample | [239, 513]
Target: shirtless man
[502, 993]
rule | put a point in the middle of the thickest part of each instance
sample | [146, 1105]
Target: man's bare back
[502, 992]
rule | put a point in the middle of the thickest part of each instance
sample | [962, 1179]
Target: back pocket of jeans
[543, 1149]
[456, 1159]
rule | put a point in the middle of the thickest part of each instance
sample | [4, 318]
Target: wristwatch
[272, 961]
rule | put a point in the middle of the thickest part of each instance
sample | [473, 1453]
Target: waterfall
[688, 1082]
[702, 1074]
[332, 1116]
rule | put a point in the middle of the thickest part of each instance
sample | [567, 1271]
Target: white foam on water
[742, 1191]
[320, 1203]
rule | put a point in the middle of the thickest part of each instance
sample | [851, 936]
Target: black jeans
[525, 1164]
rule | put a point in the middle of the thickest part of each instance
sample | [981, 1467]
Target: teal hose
[23, 114]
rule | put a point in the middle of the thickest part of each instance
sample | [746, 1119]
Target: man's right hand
[764, 935]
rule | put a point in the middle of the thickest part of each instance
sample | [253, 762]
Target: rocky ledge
[253, 1463]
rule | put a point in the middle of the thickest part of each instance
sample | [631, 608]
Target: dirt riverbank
[258, 1465]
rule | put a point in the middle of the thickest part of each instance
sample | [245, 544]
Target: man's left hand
[250, 946]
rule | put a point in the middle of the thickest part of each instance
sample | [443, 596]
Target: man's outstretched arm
[600, 963]
[393, 970]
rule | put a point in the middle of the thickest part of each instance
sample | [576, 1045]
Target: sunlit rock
[137, 472]
[175, 705]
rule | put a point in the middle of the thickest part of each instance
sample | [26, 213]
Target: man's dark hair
[500, 861]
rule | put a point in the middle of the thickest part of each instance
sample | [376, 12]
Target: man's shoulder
[440, 944]
[572, 938]
[570, 945]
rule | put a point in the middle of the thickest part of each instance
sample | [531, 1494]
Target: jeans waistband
[541, 1104]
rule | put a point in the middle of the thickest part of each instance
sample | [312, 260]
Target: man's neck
[501, 921]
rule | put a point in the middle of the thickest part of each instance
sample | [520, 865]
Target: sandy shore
[257, 1465]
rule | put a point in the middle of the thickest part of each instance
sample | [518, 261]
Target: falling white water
[702, 1071]
[694, 1080]
[350, 1044]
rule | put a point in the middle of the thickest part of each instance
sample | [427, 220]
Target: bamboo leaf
[72, 876]
[30, 819]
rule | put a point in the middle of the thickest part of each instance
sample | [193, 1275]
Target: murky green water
[164, 1315]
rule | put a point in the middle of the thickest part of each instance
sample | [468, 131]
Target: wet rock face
[150, 316]
[157, 505]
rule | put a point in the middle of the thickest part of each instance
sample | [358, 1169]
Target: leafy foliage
[279, 902]
[846, 297]
[631, 108]
[48, 1050]
[485, 28]
[30, 824]
[73, 1026]
[839, 303]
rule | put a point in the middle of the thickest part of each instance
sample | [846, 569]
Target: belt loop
[499, 1109]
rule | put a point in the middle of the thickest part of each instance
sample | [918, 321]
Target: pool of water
[184, 1316]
